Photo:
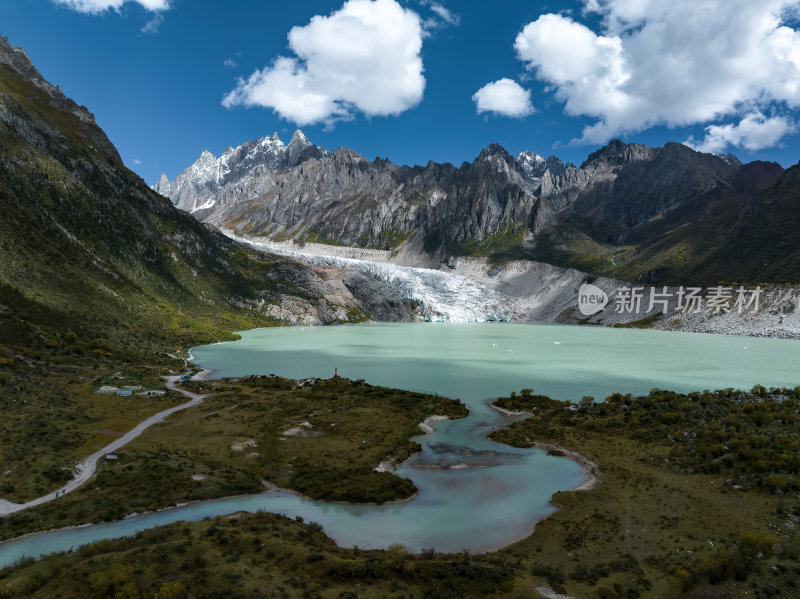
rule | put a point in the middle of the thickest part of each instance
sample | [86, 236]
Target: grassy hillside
[255, 555]
[83, 236]
[731, 238]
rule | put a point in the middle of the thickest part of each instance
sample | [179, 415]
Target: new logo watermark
[591, 300]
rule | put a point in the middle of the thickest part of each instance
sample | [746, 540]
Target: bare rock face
[622, 193]
[201, 185]
[333, 295]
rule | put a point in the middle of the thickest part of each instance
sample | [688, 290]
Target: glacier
[442, 296]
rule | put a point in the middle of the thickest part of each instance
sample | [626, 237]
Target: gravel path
[86, 468]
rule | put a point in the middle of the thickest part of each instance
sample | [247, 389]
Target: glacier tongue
[442, 296]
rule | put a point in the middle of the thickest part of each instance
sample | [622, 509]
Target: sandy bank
[202, 375]
[510, 413]
[427, 424]
[590, 468]
[549, 593]
[390, 463]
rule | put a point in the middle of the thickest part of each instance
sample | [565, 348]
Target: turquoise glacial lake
[473, 493]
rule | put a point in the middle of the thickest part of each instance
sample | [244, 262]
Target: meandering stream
[474, 493]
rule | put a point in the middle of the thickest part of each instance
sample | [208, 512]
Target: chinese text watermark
[713, 301]
[689, 300]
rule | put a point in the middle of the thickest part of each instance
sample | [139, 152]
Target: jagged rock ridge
[622, 193]
[197, 188]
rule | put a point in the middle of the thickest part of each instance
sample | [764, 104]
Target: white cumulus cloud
[98, 6]
[364, 57]
[754, 132]
[674, 63]
[504, 97]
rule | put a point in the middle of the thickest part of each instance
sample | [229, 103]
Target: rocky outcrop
[15, 59]
[199, 187]
[338, 295]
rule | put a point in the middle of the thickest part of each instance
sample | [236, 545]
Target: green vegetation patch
[323, 441]
[50, 424]
[648, 322]
[254, 555]
[503, 245]
[391, 240]
[697, 494]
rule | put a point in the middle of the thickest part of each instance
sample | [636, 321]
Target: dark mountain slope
[83, 239]
[733, 237]
[765, 243]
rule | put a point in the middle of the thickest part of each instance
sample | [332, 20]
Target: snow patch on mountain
[534, 165]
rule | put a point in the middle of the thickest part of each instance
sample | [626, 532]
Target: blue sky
[401, 80]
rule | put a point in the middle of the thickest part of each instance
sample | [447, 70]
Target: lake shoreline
[590, 469]
[478, 361]
[425, 425]
[591, 478]
[509, 413]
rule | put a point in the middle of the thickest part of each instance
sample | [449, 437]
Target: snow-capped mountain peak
[194, 189]
[534, 165]
[300, 138]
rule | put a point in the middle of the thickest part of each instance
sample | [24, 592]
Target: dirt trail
[86, 468]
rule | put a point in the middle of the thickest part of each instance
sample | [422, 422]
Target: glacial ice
[442, 296]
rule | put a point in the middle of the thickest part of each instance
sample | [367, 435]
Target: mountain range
[667, 215]
[86, 245]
